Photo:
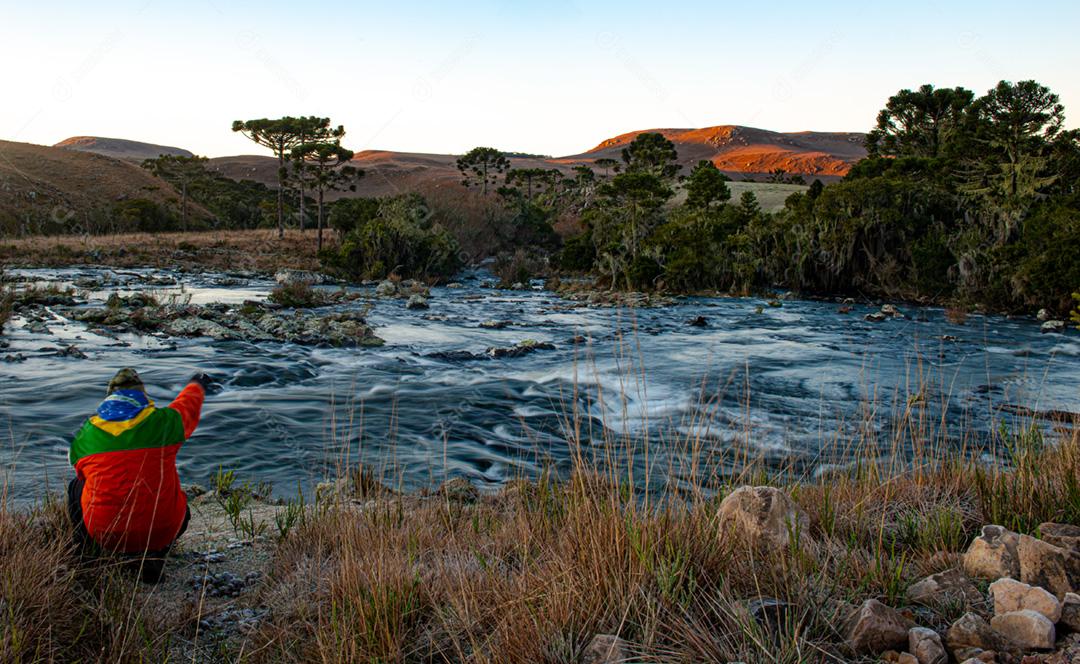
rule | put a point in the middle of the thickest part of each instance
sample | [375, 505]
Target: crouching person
[126, 496]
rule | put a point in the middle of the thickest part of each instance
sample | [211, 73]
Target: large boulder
[1052, 326]
[1064, 535]
[1051, 567]
[876, 628]
[950, 585]
[1027, 629]
[926, 645]
[993, 554]
[1011, 595]
[763, 514]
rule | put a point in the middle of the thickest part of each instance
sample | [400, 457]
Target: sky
[552, 78]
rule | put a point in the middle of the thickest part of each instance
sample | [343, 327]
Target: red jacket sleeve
[189, 404]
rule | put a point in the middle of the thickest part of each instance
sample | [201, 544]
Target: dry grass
[533, 572]
[258, 250]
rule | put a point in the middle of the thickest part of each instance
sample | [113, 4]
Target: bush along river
[465, 380]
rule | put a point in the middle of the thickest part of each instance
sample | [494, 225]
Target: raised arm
[189, 403]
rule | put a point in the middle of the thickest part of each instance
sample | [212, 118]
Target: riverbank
[832, 568]
[261, 252]
[258, 250]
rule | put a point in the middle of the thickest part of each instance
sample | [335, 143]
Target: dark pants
[150, 564]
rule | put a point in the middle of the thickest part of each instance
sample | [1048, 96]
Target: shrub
[298, 295]
[578, 253]
[400, 239]
[140, 214]
[518, 268]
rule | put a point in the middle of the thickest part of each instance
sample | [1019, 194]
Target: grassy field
[533, 572]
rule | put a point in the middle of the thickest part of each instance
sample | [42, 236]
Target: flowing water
[785, 384]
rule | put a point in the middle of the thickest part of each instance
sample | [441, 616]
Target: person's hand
[204, 380]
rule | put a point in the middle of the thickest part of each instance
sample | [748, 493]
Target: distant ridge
[738, 149]
[120, 148]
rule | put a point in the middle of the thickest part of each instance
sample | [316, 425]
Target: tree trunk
[301, 206]
[281, 195]
[319, 244]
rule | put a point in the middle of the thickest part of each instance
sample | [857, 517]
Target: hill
[41, 185]
[746, 151]
[385, 172]
[120, 148]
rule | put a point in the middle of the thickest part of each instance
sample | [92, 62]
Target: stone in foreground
[876, 628]
[943, 587]
[764, 514]
[605, 649]
[1011, 595]
[1048, 566]
[971, 635]
[1027, 629]
[1064, 535]
[926, 645]
[1070, 612]
[993, 554]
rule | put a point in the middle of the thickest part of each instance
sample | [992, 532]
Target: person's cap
[125, 379]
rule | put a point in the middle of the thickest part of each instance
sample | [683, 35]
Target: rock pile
[253, 321]
[1031, 593]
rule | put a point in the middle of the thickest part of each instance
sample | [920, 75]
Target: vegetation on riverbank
[535, 571]
[961, 200]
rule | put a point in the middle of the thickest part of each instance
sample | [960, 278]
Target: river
[789, 384]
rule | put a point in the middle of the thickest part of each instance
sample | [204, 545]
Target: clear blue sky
[553, 77]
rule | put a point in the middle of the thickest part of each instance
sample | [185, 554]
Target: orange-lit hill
[748, 151]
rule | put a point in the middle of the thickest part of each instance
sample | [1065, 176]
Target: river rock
[876, 317]
[386, 288]
[1064, 535]
[993, 554]
[1054, 326]
[970, 635]
[699, 321]
[926, 645]
[764, 514]
[1011, 595]
[891, 311]
[1051, 567]
[876, 628]
[606, 649]
[523, 348]
[1043, 315]
[289, 277]
[893, 657]
[71, 351]
[1027, 629]
[194, 326]
[417, 301]
[944, 586]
